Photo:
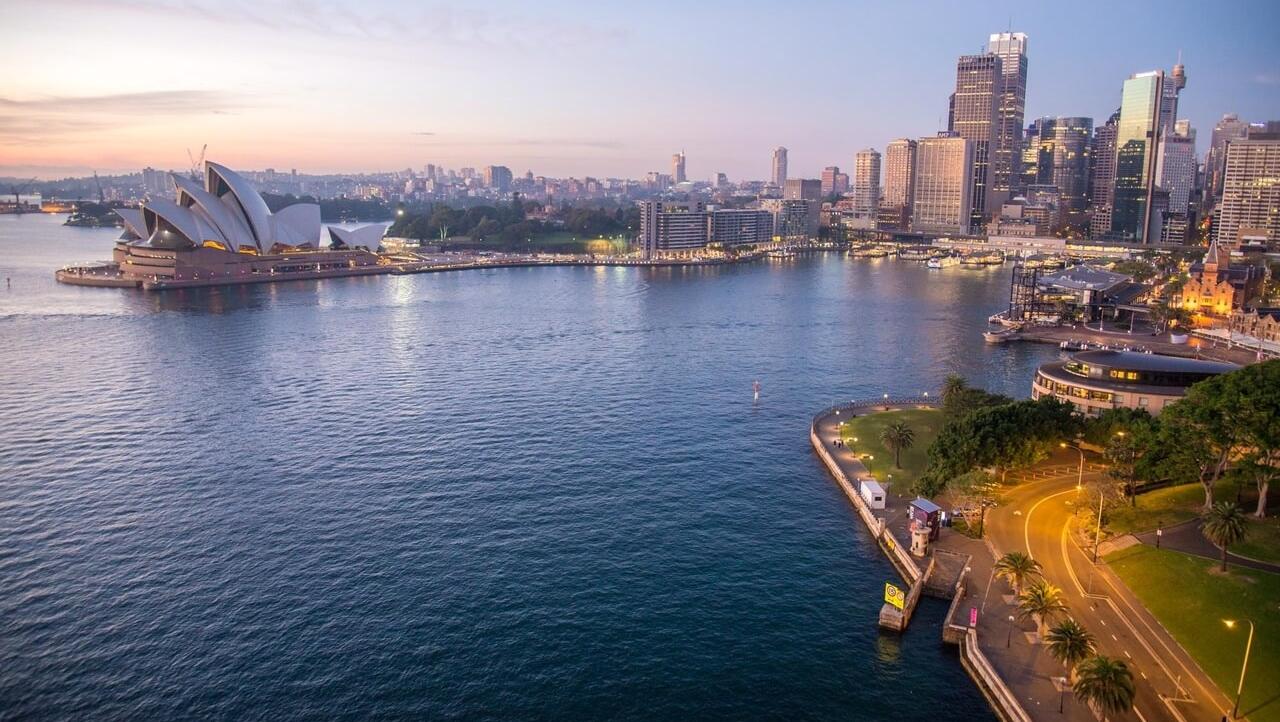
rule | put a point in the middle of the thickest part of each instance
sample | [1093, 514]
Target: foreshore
[945, 572]
[1194, 348]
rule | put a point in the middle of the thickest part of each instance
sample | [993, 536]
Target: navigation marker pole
[755, 390]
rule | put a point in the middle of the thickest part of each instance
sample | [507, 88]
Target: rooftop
[1084, 278]
[1135, 361]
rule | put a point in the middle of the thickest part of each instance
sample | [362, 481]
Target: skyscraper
[677, 167]
[779, 166]
[975, 116]
[1215, 163]
[899, 173]
[497, 177]
[942, 202]
[1005, 159]
[1250, 204]
[1148, 106]
[866, 182]
[1102, 176]
[1062, 155]
[829, 175]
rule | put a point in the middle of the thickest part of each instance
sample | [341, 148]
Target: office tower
[829, 179]
[779, 166]
[1215, 163]
[156, 182]
[866, 182]
[677, 167]
[900, 174]
[497, 177]
[802, 189]
[721, 181]
[975, 116]
[793, 220]
[741, 226]
[1250, 204]
[1176, 166]
[1102, 175]
[1005, 159]
[943, 201]
[1148, 106]
[1063, 152]
[1029, 168]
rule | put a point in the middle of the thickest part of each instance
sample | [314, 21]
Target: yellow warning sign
[894, 595]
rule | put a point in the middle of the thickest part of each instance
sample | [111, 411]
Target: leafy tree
[1098, 430]
[1121, 454]
[1256, 390]
[952, 387]
[1042, 602]
[1224, 525]
[1263, 468]
[895, 437]
[1070, 643]
[1016, 568]
[1105, 684]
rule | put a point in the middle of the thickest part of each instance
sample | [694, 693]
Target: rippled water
[521, 493]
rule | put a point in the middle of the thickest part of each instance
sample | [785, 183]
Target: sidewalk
[1186, 538]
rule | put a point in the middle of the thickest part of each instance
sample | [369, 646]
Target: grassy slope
[1194, 614]
[1175, 504]
[925, 422]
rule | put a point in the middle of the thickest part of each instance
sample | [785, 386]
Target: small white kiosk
[872, 493]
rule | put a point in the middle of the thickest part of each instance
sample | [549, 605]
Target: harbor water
[522, 493]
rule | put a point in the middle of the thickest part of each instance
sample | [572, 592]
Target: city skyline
[296, 87]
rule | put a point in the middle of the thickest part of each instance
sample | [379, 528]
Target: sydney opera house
[223, 232]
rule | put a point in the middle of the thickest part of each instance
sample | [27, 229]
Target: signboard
[973, 616]
[894, 596]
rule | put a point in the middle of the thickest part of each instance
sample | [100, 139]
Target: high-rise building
[156, 182]
[802, 189]
[793, 220]
[975, 115]
[829, 179]
[672, 227]
[1005, 159]
[677, 167]
[899, 173]
[1148, 107]
[943, 201]
[1215, 163]
[866, 182]
[497, 177]
[779, 166]
[1060, 151]
[1176, 168]
[1250, 205]
[741, 226]
[1102, 176]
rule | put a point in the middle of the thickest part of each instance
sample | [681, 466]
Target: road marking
[1126, 653]
[1116, 638]
[1026, 519]
[1139, 713]
[1144, 674]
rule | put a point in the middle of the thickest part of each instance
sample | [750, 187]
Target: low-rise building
[1094, 381]
[1215, 287]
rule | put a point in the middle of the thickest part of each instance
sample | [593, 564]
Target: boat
[781, 253]
[944, 261]
[868, 252]
[916, 253]
[982, 258]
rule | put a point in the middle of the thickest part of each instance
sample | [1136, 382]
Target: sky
[604, 88]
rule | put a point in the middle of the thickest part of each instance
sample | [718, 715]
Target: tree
[1098, 430]
[1122, 455]
[1257, 389]
[1263, 468]
[895, 437]
[952, 387]
[1042, 602]
[1070, 643]
[1016, 568]
[1105, 684]
[1224, 525]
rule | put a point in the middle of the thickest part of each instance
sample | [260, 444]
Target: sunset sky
[570, 88]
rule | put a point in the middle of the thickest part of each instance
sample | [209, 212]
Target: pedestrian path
[1186, 538]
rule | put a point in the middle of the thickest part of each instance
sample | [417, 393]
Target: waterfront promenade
[1021, 679]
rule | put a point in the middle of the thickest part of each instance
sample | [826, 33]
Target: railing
[996, 691]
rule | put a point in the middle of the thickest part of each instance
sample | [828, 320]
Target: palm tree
[1070, 643]
[1016, 568]
[952, 387]
[1041, 601]
[1224, 525]
[1105, 684]
[896, 437]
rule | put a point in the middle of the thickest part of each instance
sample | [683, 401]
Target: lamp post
[1097, 536]
[1248, 646]
[1008, 637]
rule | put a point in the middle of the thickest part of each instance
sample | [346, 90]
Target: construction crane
[17, 192]
[196, 170]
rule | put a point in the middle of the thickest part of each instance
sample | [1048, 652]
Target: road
[1034, 518]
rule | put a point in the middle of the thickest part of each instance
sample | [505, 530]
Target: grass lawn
[866, 429]
[1191, 598]
[1172, 505]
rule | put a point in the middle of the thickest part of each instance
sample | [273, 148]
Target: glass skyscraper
[1136, 138]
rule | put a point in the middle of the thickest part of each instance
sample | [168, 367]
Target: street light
[1097, 536]
[1008, 637]
[1248, 645]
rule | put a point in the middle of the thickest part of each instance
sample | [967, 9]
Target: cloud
[462, 142]
[422, 132]
[1267, 78]
[456, 24]
[41, 119]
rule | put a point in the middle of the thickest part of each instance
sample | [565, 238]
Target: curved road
[1035, 518]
